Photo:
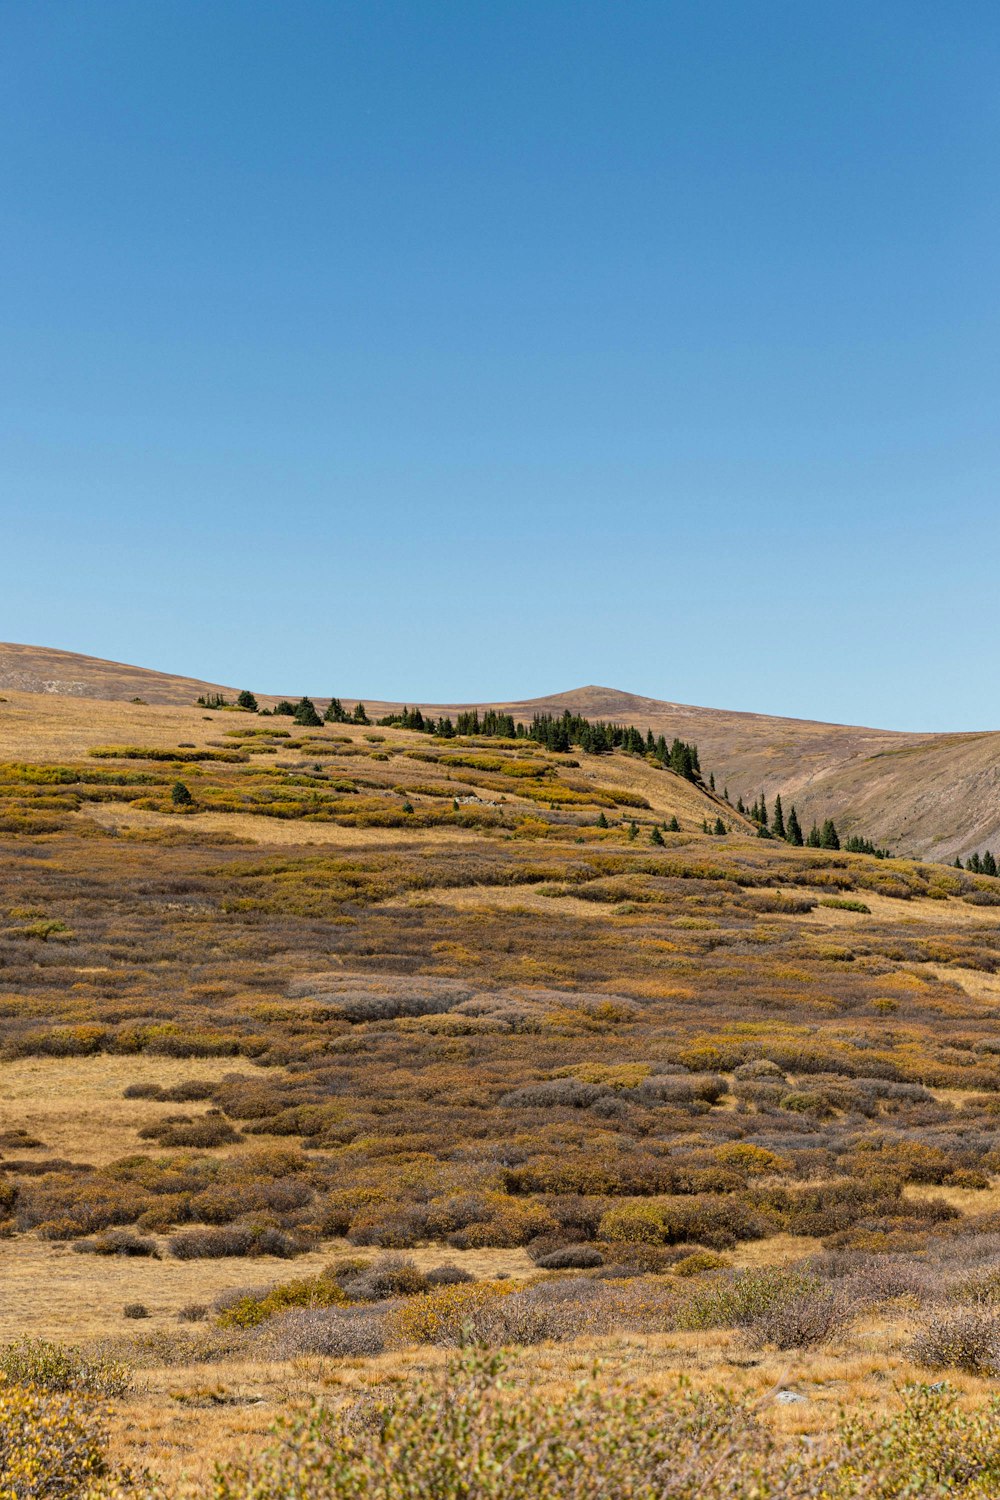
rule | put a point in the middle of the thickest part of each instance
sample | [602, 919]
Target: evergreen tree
[778, 820]
[305, 714]
[673, 826]
[407, 807]
[793, 832]
[973, 863]
[656, 837]
[828, 838]
[284, 708]
[989, 863]
[958, 862]
[454, 804]
[602, 821]
[335, 712]
[633, 830]
[180, 796]
[725, 794]
[739, 805]
[711, 782]
[247, 700]
[446, 729]
[720, 827]
[359, 716]
[762, 810]
[813, 840]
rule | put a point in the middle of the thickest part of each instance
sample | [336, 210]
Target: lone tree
[793, 832]
[336, 712]
[673, 826]
[247, 700]
[720, 827]
[656, 837]
[305, 713]
[180, 796]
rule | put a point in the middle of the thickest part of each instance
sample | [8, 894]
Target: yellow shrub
[441, 1316]
[50, 1445]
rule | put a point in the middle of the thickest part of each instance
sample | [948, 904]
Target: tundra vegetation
[337, 1058]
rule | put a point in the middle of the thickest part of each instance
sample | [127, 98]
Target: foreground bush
[52, 1447]
[58, 1367]
[469, 1435]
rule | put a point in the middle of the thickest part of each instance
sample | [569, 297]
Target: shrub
[968, 1339]
[60, 1367]
[235, 1239]
[571, 1258]
[464, 1432]
[805, 1318]
[716, 1220]
[192, 1312]
[52, 1447]
[743, 1298]
[135, 1310]
[327, 1331]
[124, 1242]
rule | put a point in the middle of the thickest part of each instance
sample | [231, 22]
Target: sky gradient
[450, 351]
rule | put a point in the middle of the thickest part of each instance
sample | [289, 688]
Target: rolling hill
[929, 795]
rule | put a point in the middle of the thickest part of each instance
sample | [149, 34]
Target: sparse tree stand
[180, 795]
[247, 701]
[359, 716]
[305, 714]
[336, 713]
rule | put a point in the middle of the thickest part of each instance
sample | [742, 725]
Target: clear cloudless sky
[446, 349]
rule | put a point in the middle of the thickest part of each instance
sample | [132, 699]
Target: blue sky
[469, 350]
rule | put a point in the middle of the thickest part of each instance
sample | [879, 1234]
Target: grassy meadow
[384, 1053]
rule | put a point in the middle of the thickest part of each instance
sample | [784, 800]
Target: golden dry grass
[75, 1105]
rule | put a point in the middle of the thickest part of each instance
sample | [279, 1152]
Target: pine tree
[762, 810]
[958, 862]
[284, 708]
[725, 794]
[656, 837]
[711, 782]
[828, 838]
[305, 714]
[633, 830]
[989, 863]
[335, 712]
[793, 832]
[180, 796]
[778, 820]
[813, 840]
[974, 864]
[673, 826]
[720, 827]
[247, 700]
[359, 716]
[602, 821]
[740, 808]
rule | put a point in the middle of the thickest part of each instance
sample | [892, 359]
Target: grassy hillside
[932, 796]
[381, 1043]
